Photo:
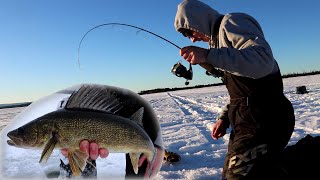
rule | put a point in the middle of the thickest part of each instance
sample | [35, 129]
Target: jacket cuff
[225, 119]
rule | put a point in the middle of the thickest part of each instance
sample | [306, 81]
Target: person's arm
[224, 115]
[243, 49]
[220, 127]
[206, 66]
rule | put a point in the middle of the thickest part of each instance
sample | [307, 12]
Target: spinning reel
[181, 71]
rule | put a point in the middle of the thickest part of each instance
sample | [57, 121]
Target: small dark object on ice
[171, 156]
[301, 90]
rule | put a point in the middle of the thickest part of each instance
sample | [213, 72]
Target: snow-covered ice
[186, 117]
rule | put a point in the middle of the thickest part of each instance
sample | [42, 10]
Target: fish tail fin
[134, 161]
[77, 160]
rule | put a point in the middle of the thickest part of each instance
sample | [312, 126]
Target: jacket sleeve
[224, 116]
[243, 50]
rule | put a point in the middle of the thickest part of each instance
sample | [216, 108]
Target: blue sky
[39, 43]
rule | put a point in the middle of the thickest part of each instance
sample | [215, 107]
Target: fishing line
[178, 69]
[121, 24]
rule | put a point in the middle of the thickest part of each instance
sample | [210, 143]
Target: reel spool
[180, 70]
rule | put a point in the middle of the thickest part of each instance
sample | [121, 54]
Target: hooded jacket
[241, 50]
[239, 46]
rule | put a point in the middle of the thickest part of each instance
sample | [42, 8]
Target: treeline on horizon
[158, 90]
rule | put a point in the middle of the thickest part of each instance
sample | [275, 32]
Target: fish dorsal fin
[95, 97]
[137, 116]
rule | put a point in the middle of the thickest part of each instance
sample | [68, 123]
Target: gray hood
[196, 16]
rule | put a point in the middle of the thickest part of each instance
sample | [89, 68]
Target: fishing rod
[178, 69]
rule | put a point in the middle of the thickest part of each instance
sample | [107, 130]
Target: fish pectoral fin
[77, 160]
[134, 161]
[48, 148]
[73, 164]
[81, 158]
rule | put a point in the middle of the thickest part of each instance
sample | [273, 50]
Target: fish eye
[20, 131]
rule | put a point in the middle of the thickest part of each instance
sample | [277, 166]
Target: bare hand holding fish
[91, 148]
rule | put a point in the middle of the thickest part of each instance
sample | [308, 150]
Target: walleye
[90, 113]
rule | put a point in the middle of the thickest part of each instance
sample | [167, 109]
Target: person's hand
[92, 149]
[155, 166]
[218, 130]
[194, 55]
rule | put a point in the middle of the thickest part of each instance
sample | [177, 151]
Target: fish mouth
[14, 141]
[11, 143]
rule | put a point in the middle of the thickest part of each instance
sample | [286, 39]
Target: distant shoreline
[14, 105]
[159, 90]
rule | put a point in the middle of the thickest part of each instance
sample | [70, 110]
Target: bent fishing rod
[178, 69]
